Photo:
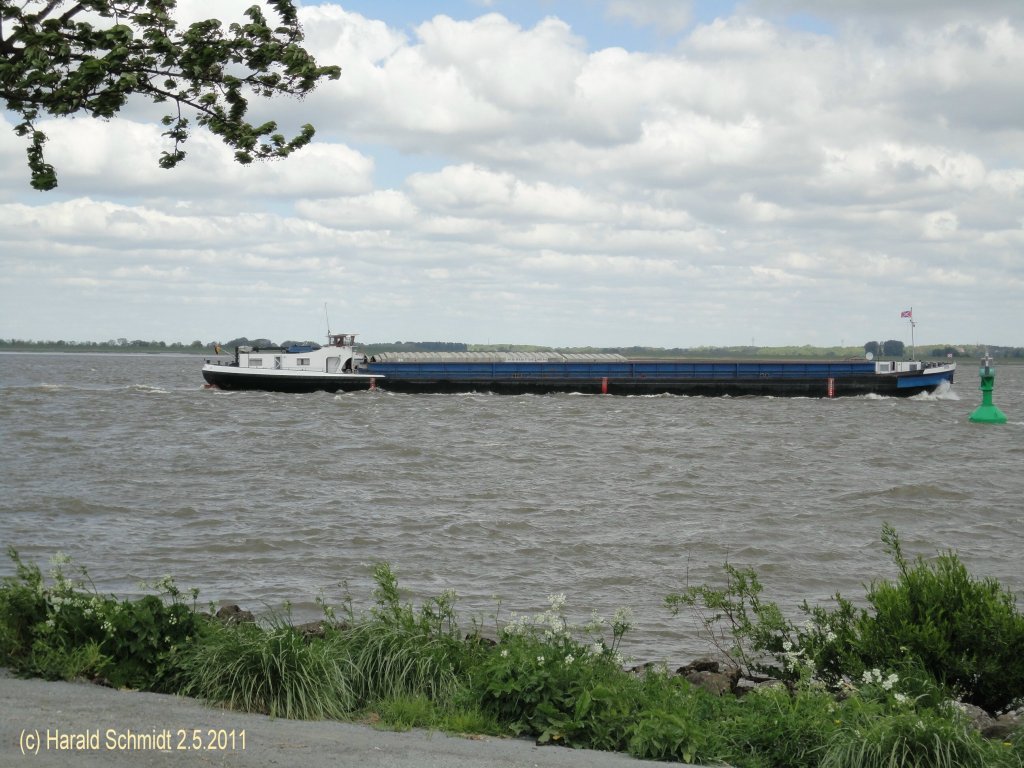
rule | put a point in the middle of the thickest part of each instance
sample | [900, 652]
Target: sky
[583, 173]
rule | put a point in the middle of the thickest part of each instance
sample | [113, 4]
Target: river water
[127, 464]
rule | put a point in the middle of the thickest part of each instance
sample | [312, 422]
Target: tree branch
[57, 66]
[70, 12]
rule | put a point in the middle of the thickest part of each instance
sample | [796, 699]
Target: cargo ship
[340, 366]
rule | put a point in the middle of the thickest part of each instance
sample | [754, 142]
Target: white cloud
[120, 156]
[526, 71]
[381, 209]
[736, 36]
[475, 191]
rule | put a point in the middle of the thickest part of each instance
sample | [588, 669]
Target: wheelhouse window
[255, 362]
[303, 361]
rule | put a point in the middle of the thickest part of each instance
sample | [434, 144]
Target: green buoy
[987, 413]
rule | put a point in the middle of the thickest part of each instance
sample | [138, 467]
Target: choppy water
[128, 465]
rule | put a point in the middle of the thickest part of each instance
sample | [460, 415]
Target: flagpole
[913, 347]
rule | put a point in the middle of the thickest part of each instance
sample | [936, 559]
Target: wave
[921, 491]
[943, 392]
[147, 389]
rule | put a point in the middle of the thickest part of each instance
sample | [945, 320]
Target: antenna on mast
[327, 320]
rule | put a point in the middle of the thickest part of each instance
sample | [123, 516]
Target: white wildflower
[901, 698]
[557, 601]
[540, 659]
[504, 653]
[569, 659]
[872, 676]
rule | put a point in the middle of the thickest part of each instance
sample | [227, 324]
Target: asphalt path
[44, 724]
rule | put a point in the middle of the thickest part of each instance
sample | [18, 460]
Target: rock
[311, 629]
[711, 675]
[232, 614]
[1004, 726]
[747, 685]
[703, 664]
[978, 717]
[717, 683]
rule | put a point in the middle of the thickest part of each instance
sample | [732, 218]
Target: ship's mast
[913, 347]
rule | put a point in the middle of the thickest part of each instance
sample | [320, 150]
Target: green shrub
[747, 630]
[935, 623]
[67, 629]
[543, 681]
[550, 688]
[22, 609]
[674, 721]
[967, 633]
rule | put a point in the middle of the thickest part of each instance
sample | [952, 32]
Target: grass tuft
[273, 670]
[912, 739]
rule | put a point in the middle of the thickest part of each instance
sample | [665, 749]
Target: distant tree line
[113, 345]
[890, 348]
[893, 348]
[1014, 352]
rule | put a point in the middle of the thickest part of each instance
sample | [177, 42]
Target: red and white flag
[907, 313]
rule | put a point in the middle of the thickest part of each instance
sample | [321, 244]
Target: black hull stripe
[843, 386]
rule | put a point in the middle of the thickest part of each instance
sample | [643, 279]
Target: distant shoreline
[1002, 355]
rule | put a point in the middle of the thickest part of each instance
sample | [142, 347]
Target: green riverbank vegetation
[886, 684]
